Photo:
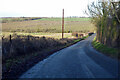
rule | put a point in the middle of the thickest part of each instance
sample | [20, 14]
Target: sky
[43, 8]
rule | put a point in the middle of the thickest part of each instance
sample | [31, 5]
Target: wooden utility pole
[63, 25]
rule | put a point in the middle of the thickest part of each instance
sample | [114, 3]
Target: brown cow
[81, 35]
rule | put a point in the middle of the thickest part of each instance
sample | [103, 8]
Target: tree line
[106, 16]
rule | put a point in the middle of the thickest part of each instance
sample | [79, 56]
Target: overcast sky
[43, 8]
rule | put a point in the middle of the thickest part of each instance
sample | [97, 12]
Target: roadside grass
[15, 63]
[76, 40]
[81, 39]
[112, 52]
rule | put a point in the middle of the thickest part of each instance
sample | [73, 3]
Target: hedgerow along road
[80, 60]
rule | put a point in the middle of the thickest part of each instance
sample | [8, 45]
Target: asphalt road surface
[77, 61]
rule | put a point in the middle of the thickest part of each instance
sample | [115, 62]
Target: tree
[106, 17]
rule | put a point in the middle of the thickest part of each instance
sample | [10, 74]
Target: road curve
[77, 61]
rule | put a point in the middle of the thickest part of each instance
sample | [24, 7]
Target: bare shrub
[22, 45]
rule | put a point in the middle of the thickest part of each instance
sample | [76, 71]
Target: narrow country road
[77, 61]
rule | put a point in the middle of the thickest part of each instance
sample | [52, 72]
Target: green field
[52, 25]
[47, 26]
[14, 19]
[65, 19]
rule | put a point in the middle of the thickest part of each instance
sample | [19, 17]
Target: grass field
[65, 19]
[14, 19]
[54, 35]
[49, 25]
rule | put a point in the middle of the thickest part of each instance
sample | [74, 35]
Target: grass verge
[112, 52]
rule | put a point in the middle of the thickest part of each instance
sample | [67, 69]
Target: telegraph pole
[63, 25]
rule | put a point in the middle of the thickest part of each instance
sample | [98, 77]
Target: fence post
[11, 47]
[2, 38]
[28, 38]
[10, 39]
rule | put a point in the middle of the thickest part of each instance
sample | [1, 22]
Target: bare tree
[106, 16]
